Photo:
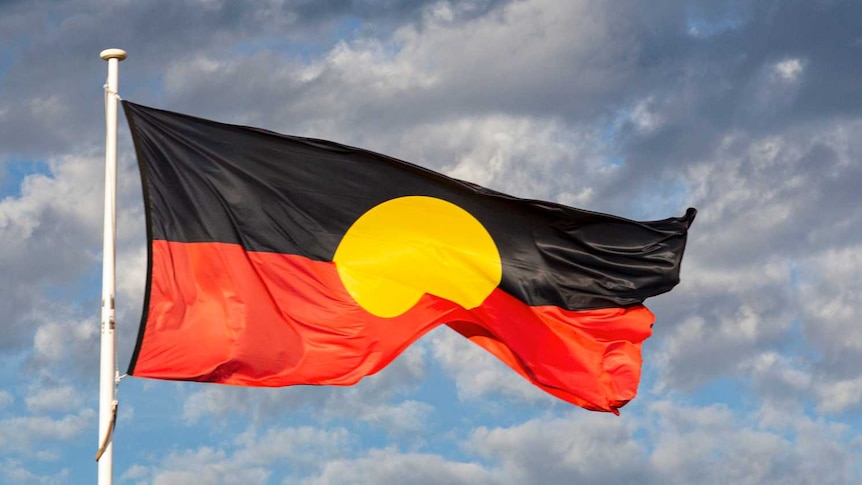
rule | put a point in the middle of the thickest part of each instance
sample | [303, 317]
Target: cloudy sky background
[749, 111]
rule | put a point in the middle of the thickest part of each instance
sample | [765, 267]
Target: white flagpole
[108, 365]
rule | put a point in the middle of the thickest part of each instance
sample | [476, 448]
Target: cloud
[246, 461]
[66, 344]
[709, 444]
[477, 373]
[223, 402]
[390, 466]
[830, 295]
[46, 239]
[14, 472]
[44, 114]
[6, 399]
[205, 466]
[302, 447]
[788, 69]
[571, 449]
[766, 256]
[523, 71]
[750, 112]
[41, 434]
[62, 398]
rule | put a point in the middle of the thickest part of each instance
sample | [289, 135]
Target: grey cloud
[707, 88]
[47, 235]
[564, 450]
[53, 80]
[28, 434]
[690, 118]
[750, 112]
[16, 472]
[389, 12]
[390, 466]
[708, 444]
[778, 219]
[478, 374]
[246, 459]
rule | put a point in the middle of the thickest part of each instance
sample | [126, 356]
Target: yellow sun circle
[406, 247]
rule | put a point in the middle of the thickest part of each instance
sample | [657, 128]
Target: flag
[277, 260]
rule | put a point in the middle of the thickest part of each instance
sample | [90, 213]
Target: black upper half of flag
[206, 181]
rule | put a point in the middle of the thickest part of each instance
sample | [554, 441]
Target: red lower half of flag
[217, 313]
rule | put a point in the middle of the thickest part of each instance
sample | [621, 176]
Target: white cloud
[40, 433]
[763, 258]
[6, 399]
[747, 194]
[782, 380]
[516, 99]
[699, 349]
[577, 448]
[224, 402]
[249, 460]
[47, 236]
[206, 466]
[831, 294]
[55, 342]
[775, 87]
[645, 117]
[407, 417]
[477, 373]
[391, 466]
[789, 69]
[62, 398]
[302, 447]
[14, 472]
[709, 444]
[69, 193]
[778, 375]
[559, 57]
[839, 395]
[521, 156]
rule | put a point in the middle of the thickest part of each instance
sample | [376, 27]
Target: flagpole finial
[108, 54]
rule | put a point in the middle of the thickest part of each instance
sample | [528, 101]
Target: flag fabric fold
[277, 260]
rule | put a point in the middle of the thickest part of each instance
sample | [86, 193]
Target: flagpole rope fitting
[111, 92]
[110, 432]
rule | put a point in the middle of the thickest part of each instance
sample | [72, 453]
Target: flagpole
[108, 364]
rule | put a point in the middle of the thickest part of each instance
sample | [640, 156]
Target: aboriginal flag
[276, 260]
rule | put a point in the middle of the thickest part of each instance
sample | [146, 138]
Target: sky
[749, 111]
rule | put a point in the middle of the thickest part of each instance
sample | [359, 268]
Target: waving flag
[276, 260]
